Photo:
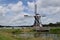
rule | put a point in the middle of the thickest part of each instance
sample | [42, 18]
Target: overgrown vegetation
[8, 34]
[55, 31]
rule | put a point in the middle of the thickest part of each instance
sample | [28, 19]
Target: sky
[12, 11]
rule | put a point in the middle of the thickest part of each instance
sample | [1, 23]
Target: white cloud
[47, 3]
[13, 8]
[18, 16]
[16, 8]
[3, 11]
[31, 4]
[50, 8]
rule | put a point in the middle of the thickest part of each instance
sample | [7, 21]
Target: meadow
[11, 34]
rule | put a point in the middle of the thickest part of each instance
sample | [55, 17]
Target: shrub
[55, 31]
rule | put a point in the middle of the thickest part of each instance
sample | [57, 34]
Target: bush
[55, 31]
[17, 31]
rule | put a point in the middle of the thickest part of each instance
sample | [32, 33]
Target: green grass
[2, 37]
[55, 31]
[7, 34]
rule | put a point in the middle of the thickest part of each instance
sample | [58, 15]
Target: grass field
[8, 34]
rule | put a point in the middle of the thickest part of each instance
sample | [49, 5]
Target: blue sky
[15, 1]
[12, 11]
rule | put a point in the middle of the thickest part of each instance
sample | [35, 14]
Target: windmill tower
[37, 23]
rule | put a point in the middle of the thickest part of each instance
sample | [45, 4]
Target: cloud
[16, 11]
[18, 16]
[50, 8]
[12, 13]
[13, 8]
[16, 8]
[31, 5]
[47, 3]
[3, 10]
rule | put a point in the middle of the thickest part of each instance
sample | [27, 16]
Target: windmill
[37, 22]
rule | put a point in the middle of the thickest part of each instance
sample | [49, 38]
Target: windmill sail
[35, 9]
